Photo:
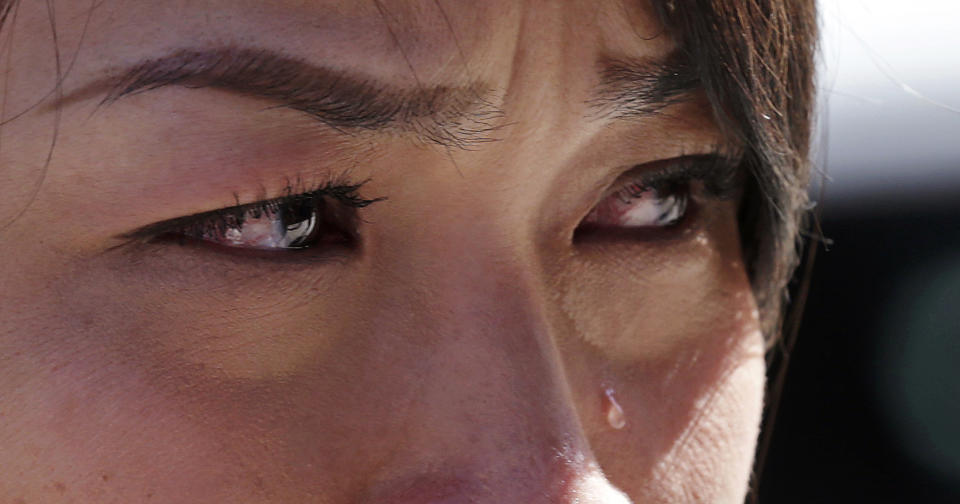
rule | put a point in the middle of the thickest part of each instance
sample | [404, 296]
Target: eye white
[648, 208]
[266, 230]
[651, 209]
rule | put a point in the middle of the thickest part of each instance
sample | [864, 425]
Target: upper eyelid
[344, 193]
[718, 170]
[713, 168]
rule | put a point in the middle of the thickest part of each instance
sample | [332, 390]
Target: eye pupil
[299, 219]
[674, 208]
[297, 211]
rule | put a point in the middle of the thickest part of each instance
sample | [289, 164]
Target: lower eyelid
[194, 227]
[241, 256]
[334, 188]
[679, 231]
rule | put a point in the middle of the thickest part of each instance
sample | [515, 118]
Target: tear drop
[615, 415]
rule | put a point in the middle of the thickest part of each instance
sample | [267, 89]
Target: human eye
[662, 195]
[324, 216]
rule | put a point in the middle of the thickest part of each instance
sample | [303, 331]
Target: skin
[461, 354]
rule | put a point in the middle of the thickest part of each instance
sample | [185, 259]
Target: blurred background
[871, 407]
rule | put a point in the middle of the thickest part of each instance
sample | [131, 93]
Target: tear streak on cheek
[694, 420]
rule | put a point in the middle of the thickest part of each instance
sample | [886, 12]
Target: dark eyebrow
[459, 117]
[632, 89]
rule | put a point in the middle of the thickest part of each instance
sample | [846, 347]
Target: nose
[494, 419]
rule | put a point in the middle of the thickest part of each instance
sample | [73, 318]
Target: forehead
[433, 39]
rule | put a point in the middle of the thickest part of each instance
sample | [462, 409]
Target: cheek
[673, 333]
[120, 376]
[650, 302]
[691, 411]
[692, 422]
[92, 416]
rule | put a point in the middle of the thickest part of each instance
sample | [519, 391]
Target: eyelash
[656, 200]
[719, 175]
[343, 193]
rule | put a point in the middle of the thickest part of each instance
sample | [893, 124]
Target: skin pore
[463, 346]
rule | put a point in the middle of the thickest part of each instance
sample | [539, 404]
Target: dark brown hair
[755, 59]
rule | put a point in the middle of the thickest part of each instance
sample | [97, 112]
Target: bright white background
[890, 101]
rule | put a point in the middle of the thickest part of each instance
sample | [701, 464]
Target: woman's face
[548, 305]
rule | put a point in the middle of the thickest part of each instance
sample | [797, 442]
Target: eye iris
[639, 206]
[293, 224]
[323, 217]
[659, 207]
[674, 210]
[300, 222]
[255, 229]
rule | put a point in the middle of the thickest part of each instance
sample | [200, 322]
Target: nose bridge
[491, 388]
[487, 414]
[488, 323]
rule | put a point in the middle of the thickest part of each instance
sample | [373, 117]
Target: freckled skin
[463, 352]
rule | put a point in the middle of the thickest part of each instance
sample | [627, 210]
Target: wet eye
[297, 223]
[326, 216]
[641, 206]
[661, 195]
